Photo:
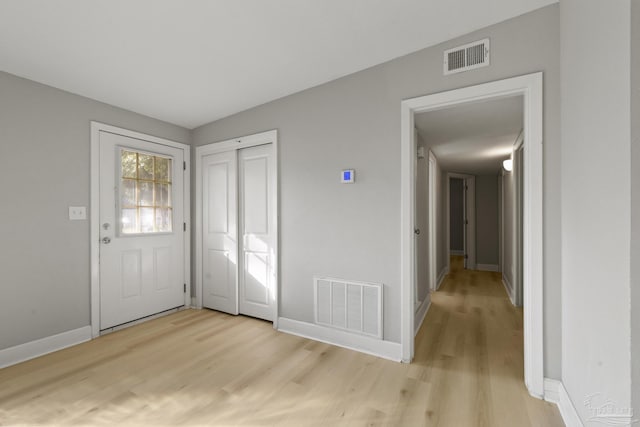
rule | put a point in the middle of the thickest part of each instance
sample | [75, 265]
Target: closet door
[257, 219]
[220, 232]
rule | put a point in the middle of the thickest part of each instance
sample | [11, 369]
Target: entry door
[141, 229]
[257, 182]
[220, 232]
[239, 231]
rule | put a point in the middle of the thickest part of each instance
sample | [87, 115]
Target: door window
[145, 203]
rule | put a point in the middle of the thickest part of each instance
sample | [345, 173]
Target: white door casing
[220, 232]
[135, 275]
[433, 259]
[530, 87]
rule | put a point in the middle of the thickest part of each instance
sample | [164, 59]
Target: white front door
[257, 185]
[220, 232]
[239, 231]
[141, 228]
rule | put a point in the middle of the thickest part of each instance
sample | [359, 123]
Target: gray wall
[487, 234]
[596, 206]
[44, 168]
[635, 205]
[355, 122]
[456, 215]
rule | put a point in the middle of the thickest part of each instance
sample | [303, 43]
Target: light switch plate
[77, 213]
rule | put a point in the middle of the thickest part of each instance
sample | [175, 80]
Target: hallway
[470, 350]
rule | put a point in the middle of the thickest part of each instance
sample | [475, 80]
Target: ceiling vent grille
[467, 57]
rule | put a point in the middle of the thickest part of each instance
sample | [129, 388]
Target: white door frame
[517, 255]
[469, 231]
[94, 211]
[268, 137]
[433, 218]
[530, 87]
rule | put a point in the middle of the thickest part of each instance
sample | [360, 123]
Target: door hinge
[184, 226]
[184, 288]
[184, 166]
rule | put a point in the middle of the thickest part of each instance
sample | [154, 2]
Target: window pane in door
[128, 198]
[145, 166]
[145, 201]
[145, 195]
[129, 221]
[129, 164]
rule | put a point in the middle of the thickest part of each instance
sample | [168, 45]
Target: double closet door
[239, 231]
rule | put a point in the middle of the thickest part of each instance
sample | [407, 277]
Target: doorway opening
[529, 88]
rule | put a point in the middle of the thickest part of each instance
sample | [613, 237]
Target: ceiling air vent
[466, 57]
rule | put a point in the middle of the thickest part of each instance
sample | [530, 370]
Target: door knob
[416, 230]
[106, 240]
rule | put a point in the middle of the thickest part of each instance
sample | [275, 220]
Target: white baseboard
[457, 253]
[488, 267]
[441, 277]
[421, 313]
[508, 288]
[20, 353]
[385, 349]
[555, 392]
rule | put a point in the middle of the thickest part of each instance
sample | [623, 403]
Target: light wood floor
[199, 367]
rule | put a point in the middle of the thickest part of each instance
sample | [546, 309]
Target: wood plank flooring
[199, 367]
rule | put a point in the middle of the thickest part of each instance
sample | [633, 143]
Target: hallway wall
[456, 215]
[596, 221]
[508, 224]
[487, 233]
[635, 205]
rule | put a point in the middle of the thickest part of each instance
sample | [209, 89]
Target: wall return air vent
[467, 57]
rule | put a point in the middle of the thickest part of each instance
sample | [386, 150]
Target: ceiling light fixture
[507, 165]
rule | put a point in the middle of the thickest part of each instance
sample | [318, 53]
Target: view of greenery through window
[145, 193]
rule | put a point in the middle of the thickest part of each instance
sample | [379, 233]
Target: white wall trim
[530, 87]
[262, 138]
[380, 348]
[94, 211]
[555, 392]
[552, 390]
[488, 267]
[20, 353]
[509, 289]
[421, 313]
[442, 276]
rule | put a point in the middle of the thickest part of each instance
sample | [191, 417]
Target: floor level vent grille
[348, 305]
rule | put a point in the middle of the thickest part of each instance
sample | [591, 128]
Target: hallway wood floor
[199, 367]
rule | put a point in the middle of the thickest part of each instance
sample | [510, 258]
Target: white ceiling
[191, 62]
[473, 138]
